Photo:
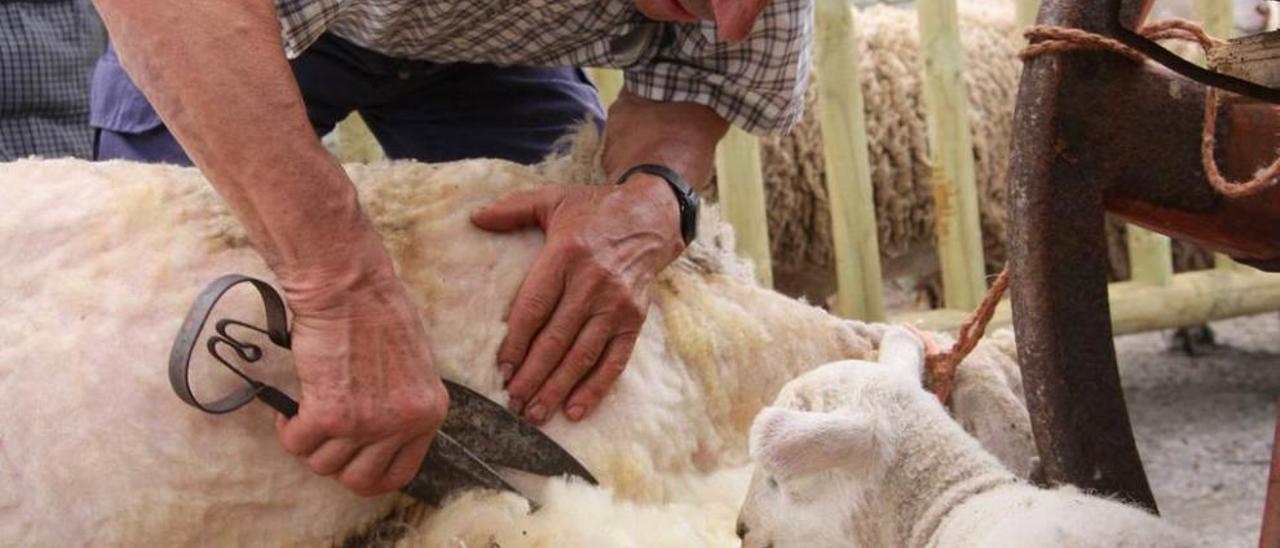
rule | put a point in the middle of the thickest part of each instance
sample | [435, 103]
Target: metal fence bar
[740, 186]
[951, 151]
[859, 291]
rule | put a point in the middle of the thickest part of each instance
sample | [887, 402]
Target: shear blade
[497, 437]
[448, 468]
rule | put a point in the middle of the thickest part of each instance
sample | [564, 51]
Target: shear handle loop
[180, 356]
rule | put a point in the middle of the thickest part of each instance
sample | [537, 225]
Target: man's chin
[666, 10]
[699, 8]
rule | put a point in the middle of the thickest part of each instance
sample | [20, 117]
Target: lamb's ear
[789, 443]
[903, 351]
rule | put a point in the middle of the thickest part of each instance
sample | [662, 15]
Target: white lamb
[101, 261]
[858, 454]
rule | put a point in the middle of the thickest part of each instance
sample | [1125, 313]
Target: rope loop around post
[940, 367]
[1053, 39]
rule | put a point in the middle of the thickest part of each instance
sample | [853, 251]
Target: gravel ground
[1204, 424]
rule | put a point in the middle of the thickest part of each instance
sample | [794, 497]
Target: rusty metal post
[1059, 291]
[1270, 537]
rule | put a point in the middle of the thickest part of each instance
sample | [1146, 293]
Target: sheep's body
[102, 261]
[850, 442]
[890, 73]
[897, 134]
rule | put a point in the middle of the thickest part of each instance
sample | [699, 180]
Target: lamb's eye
[773, 483]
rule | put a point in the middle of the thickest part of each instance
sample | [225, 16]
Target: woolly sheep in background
[1248, 16]
[858, 454]
[795, 175]
[102, 260]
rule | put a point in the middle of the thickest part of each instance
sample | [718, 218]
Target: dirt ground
[1204, 424]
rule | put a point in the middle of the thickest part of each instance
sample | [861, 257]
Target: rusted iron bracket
[1097, 132]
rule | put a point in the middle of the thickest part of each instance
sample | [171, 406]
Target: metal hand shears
[477, 433]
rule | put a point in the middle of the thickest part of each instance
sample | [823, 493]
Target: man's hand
[579, 311]
[371, 400]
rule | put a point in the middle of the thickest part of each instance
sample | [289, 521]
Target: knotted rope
[940, 367]
[1051, 39]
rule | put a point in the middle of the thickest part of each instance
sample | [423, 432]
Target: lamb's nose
[1264, 8]
[743, 530]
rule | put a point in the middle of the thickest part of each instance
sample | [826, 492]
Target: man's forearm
[217, 75]
[682, 136]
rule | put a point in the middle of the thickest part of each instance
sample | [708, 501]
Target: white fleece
[900, 473]
[102, 260]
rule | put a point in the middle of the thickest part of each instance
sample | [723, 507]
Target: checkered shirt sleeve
[757, 84]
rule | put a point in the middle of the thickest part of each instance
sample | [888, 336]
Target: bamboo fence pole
[740, 186]
[356, 143]
[1027, 10]
[1190, 298]
[859, 292]
[608, 82]
[1150, 256]
[951, 152]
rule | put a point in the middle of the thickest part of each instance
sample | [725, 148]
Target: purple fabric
[426, 111]
[115, 103]
[154, 146]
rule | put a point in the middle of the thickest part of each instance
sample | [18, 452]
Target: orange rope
[1058, 39]
[1062, 39]
[941, 366]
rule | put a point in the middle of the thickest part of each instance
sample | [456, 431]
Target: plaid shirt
[757, 84]
[47, 50]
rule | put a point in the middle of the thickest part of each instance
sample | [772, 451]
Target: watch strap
[686, 197]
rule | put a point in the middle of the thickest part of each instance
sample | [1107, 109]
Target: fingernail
[537, 413]
[575, 412]
[515, 405]
[507, 370]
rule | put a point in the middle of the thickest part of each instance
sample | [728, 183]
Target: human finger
[366, 473]
[533, 305]
[591, 391]
[519, 209]
[332, 455]
[548, 348]
[407, 462]
[577, 363]
[300, 436]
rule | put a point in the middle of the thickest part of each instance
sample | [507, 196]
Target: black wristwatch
[685, 196]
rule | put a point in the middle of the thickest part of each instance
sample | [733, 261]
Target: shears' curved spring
[277, 331]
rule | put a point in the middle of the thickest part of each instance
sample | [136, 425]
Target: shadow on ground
[1204, 424]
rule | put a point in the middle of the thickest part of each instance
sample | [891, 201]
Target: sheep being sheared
[858, 454]
[102, 261]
